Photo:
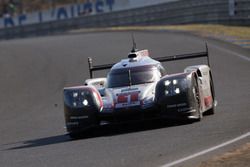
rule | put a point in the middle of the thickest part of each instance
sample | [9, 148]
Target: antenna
[134, 49]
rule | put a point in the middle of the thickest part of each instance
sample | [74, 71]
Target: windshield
[133, 76]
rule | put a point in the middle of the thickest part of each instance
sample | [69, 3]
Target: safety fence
[230, 12]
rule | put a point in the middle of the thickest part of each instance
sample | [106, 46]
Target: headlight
[85, 102]
[167, 83]
[166, 92]
[79, 103]
[75, 94]
[177, 90]
[175, 81]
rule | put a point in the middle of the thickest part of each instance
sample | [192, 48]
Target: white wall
[50, 15]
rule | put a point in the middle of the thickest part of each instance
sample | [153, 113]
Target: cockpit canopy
[133, 76]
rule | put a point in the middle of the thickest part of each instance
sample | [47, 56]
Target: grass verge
[239, 157]
[203, 29]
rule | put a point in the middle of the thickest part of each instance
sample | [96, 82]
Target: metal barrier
[180, 12]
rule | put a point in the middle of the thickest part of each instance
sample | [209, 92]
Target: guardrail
[180, 12]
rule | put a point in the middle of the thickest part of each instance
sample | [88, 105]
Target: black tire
[197, 99]
[75, 135]
[80, 134]
[211, 111]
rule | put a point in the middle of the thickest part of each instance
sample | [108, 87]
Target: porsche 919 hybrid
[138, 88]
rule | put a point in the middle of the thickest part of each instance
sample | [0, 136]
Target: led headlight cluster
[168, 82]
[171, 89]
[78, 99]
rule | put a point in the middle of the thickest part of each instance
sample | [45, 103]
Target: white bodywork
[143, 95]
[132, 96]
[137, 88]
[204, 81]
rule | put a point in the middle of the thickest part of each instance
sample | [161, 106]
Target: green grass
[202, 29]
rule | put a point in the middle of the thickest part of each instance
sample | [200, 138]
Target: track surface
[34, 71]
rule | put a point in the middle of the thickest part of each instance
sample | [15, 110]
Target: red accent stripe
[143, 53]
[98, 96]
[208, 101]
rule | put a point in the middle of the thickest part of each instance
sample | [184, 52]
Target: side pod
[176, 97]
[81, 106]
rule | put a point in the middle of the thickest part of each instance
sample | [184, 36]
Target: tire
[211, 111]
[80, 134]
[75, 135]
[197, 100]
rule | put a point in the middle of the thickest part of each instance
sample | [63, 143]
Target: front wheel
[197, 100]
[74, 135]
[211, 111]
[81, 134]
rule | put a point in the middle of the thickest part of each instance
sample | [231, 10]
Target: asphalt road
[34, 71]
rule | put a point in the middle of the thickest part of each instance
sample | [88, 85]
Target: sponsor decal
[72, 123]
[78, 118]
[127, 99]
[177, 105]
[184, 109]
[59, 13]
[129, 89]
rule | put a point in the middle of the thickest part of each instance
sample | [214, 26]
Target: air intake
[132, 55]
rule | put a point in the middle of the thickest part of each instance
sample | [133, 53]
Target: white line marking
[207, 150]
[223, 144]
[232, 52]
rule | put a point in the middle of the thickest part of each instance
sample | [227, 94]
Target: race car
[138, 88]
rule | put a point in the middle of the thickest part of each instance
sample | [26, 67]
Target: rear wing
[205, 54]
[97, 67]
[185, 56]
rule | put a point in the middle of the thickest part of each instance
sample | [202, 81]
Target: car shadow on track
[107, 130]
[39, 142]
